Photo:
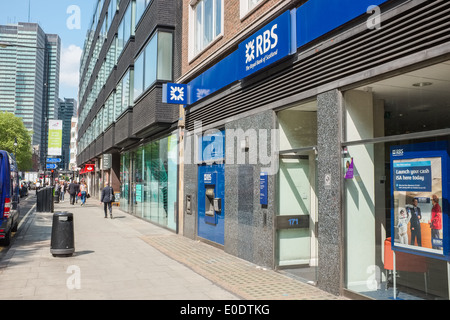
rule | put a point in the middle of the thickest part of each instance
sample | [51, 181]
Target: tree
[12, 127]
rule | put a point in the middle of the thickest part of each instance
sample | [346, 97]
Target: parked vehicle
[9, 197]
[31, 185]
[23, 189]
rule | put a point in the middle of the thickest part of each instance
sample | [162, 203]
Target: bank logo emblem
[177, 93]
[261, 48]
[249, 51]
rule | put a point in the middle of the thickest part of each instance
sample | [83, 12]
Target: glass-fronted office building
[29, 71]
[126, 134]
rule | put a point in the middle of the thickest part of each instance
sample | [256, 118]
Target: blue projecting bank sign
[268, 45]
[175, 93]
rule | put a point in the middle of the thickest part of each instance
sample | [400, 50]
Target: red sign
[89, 167]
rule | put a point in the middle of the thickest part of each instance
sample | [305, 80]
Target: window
[124, 32]
[125, 91]
[112, 11]
[118, 99]
[111, 57]
[248, 5]
[141, 5]
[150, 62]
[139, 75]
[164, 56]
[154, 63]
[110, 108]
[389, 125]
[206, 23]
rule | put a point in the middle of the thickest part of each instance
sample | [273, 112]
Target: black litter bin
[44, 200]
[62, 242]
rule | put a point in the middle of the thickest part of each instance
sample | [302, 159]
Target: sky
[69, 19]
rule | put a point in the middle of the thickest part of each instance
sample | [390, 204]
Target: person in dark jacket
[74, 188]
[107, 198]
[416, 216]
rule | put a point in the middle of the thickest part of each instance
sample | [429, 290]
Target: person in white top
[83, 190]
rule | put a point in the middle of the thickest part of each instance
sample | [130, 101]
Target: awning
[87, 168]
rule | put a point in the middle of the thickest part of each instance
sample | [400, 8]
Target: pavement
[127, 258]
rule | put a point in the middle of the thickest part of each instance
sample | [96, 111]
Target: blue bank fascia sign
[276, 40]
[268, 45]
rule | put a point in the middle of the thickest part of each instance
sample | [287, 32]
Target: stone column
[330, 238]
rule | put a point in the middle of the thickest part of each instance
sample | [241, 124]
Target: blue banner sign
[53, 160]
[51, 166]
[276, 40]
[268, 45]
[175, 93]
[318, 17]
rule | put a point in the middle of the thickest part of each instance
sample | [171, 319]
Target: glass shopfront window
[395, 160]
[153, 181]
[125, 182]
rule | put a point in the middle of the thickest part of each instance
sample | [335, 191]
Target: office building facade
[65, 112]
[126, 135]
[29, 71]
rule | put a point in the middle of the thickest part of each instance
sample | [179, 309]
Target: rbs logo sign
[268, 40]
[269, 44]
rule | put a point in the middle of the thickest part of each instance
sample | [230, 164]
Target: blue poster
[419, 205]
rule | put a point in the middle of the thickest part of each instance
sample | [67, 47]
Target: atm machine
[211, 195]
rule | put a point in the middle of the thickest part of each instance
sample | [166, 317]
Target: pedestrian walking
[74, 188]
[62, 191]
[83, 191]
[57, 189]
[107, 198]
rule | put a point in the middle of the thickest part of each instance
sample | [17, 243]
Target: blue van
[9, 197]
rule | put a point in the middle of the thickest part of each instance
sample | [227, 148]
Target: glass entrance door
[297, 214]
[296, 220]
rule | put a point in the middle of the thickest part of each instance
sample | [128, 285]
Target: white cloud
[70, 66]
